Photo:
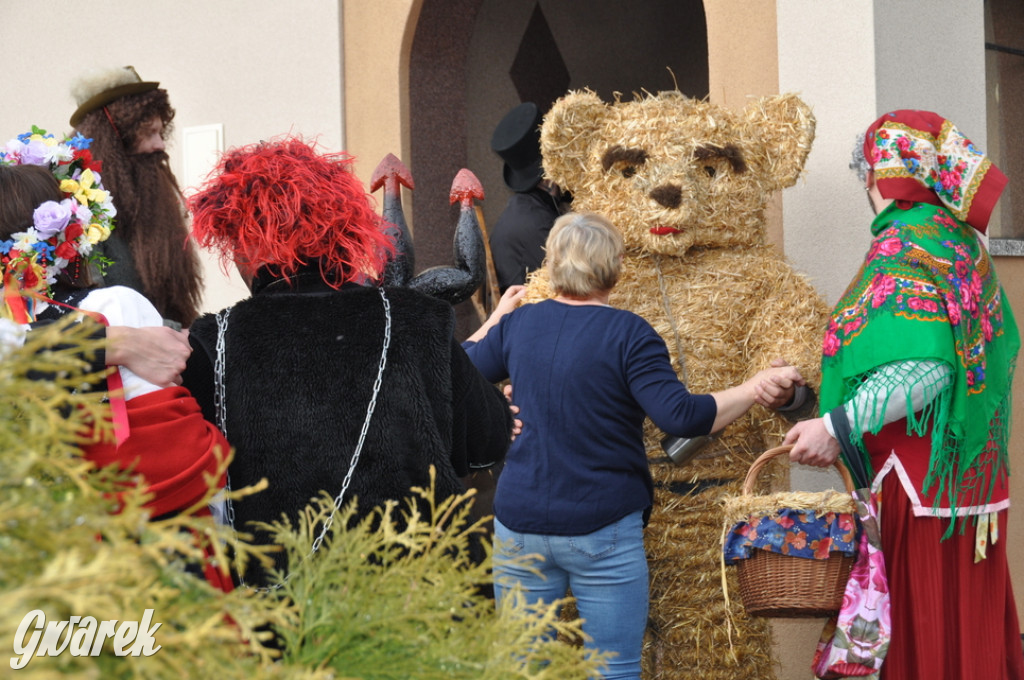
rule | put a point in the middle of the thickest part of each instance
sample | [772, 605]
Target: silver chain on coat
[221, 408]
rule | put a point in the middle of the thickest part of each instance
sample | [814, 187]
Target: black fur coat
[301, 361]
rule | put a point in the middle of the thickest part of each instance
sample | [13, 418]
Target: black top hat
[517, 141]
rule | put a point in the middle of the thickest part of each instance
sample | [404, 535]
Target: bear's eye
[625, 161]
[714, 159]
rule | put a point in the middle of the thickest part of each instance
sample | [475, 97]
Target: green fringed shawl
[928, 290]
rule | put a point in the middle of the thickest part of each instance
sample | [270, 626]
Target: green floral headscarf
[928, 290]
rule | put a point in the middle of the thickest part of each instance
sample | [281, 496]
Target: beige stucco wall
[338, 70]
[743, 64]
[826, 213]
[744, 61]
[377, 40]
[821, 207]
[854, 66]
[257, 67]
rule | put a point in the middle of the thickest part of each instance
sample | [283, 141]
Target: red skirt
[173, 449]
[952, 618]
[171, 446]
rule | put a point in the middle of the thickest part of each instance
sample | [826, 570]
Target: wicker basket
[780, 586]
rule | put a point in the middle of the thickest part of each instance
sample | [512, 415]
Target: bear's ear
[569, 129]
[785, 126]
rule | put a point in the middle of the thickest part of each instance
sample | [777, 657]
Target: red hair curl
[283, 205]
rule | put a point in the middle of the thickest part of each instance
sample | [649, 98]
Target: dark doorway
[473, 60]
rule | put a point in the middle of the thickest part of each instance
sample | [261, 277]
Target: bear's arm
[789, 323]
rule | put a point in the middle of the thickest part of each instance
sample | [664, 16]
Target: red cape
[171, 445]
[174, 449]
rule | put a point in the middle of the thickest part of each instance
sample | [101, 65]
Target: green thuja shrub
[65, 552]
[395, 597]
[403, 600]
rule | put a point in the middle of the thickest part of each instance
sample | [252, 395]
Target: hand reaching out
[155, 353]
[812, 443]
[509, 301]
[766, 387]
[517, 425]
[776, 387]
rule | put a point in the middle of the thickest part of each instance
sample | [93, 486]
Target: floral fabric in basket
[798, 533]
[854, 643]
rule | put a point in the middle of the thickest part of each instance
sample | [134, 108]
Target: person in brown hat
[129, 120]
[517, 240]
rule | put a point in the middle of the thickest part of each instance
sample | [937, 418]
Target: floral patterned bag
[854, 643]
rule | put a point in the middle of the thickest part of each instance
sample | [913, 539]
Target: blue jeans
[607, 571]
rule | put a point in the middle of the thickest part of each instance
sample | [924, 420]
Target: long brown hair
[150, 208]
[23, 188]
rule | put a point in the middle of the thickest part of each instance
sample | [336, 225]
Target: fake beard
[151, 219]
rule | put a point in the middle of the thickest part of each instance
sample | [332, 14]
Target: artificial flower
[66, 251]
[85, 189]
[82, 212]
[25, 241]
[50, 218]
[33, 153]
[79, 142]
[97, 233]
[62, 231]
[30, 277]
[59, 153]
[85, 159]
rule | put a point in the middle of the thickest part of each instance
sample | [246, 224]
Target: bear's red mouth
[662, 231]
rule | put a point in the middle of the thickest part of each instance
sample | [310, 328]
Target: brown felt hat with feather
[99, 88]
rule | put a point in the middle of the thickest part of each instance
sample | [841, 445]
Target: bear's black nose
[668, 195]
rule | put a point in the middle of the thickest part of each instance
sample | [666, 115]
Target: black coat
[300, 368]
[518, 237]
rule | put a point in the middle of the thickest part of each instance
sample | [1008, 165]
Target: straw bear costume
[687, 182]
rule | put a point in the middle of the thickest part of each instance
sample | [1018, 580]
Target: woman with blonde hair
[576, 488]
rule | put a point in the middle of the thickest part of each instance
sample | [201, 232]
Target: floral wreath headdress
[62, 231]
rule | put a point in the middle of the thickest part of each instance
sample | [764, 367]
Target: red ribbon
[13, 297]
[115, 391]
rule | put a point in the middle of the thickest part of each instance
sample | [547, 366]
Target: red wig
[282, 205]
